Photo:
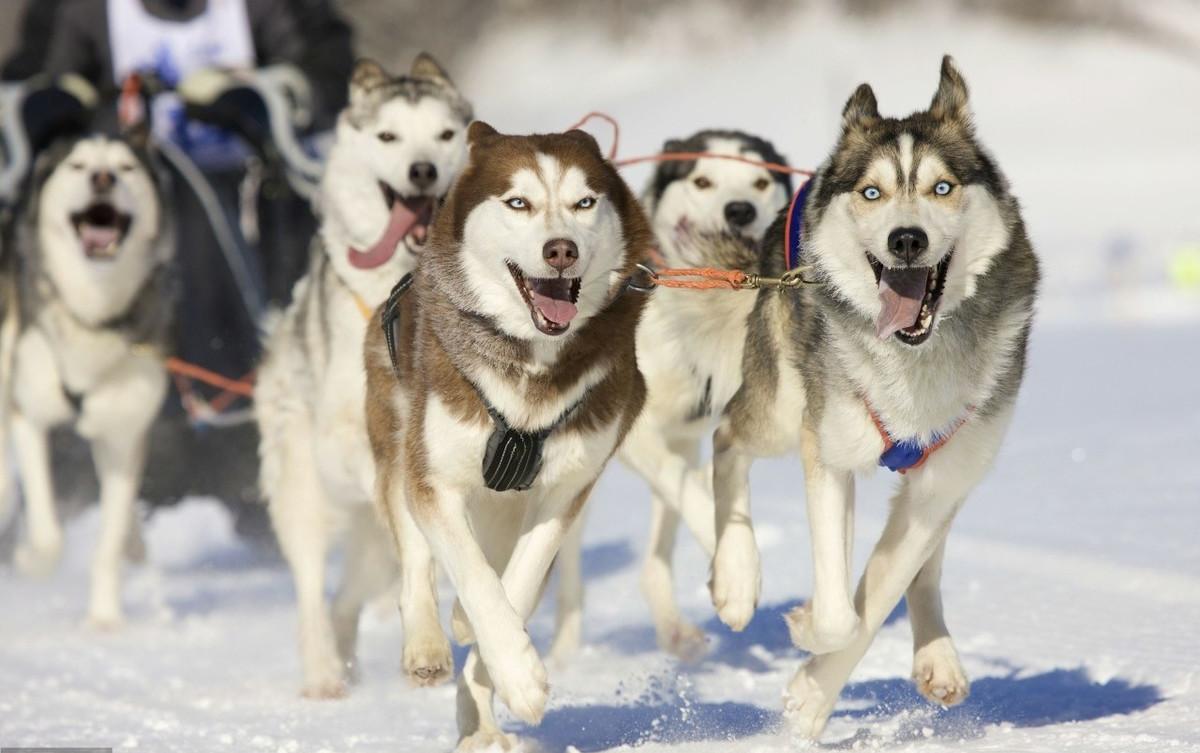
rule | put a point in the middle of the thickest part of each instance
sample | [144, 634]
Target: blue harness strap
[795, 226]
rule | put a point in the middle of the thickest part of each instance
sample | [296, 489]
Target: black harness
[513, 457]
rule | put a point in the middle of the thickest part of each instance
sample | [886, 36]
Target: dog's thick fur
[84, 340]
[705, 213]
[317, 471]
[814, 361]
[470, 331]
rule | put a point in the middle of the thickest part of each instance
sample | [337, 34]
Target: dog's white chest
[343, 453]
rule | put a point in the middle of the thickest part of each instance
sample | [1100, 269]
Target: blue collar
[795, 226]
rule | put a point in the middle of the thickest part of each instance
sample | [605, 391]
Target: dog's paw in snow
[325, 680]
[486, 741]
[428, 660]
[683, 640]
[939, 675]
[806, 707]
[520, 681]
[736, 578]
[38, 559]
[819, 632]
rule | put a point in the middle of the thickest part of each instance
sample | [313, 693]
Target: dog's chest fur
[690, 351]
[436, 420]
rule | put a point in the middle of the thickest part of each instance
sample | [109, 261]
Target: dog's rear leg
[300, 516]
[427, 656]
[737, 576]
[39, 552]
[675, 635]
[828, 622]
[568, 628]
[119, 464]
[937, 671]
[369, 569]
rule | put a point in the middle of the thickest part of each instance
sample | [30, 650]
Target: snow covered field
[1073, 576]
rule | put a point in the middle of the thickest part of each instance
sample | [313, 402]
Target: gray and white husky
[399, 145]
[705, 213]
[908, 354]
[83, 342]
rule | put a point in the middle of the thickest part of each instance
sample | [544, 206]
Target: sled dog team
[466, 353]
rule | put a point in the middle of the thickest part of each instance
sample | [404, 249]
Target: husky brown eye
[386, 137]
[76, 165]
[587, 202]
[761, 184]
[702, 183]
[446, 135]
[125, 168]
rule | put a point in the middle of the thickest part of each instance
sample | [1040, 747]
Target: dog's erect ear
[366, 78]
[138, 135]
[861, 109]
[950, 101]
[585, 138]
[425, 66]
[479, 131]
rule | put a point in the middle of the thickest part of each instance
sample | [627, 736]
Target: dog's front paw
[520, 680]
[939, 675]
[486, 741]
[822, 632]
[428, 660]
[683, 640]
[806, 707]
[325, 680]
[736, 578]
[104, 621]
[38, 559]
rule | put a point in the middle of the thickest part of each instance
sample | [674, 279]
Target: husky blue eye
[871, 193]
[942, 188]
[517, 202]
[587, 202]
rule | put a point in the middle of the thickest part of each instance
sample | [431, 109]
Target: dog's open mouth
[101, 228]
[419, 207]
[909, 298]
[551, 300]
[408, 221]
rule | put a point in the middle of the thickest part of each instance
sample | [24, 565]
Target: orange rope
[612, 152]
[240, 387]
[709, 279]
[774, 167]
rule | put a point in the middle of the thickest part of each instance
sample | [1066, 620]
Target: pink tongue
[901, 292]
[96, 238]
[554, 309]
[400, 221]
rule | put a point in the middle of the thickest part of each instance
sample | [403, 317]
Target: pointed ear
[138, 135]
[950, 101]
[586, 139]
[424, 66]
[861, 109]
[478, 131]
[367, 76]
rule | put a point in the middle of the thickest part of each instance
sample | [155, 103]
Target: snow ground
[1072, 586]
[1073, 576]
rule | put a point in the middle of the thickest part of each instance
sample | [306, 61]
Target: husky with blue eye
[500, 381]
[908, 354]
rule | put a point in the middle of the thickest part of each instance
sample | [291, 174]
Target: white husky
[399, 146]
[86, 331]
[705, 213]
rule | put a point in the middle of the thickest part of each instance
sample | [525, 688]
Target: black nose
[423, 174]
[907, 243]
[103, 180]
[560, 253]
[740, 213]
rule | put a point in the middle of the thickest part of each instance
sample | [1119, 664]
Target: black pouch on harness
[513, 458]
[390, 318]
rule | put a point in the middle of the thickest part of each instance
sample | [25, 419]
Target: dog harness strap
[906, 454]
[513, 457]
[795, 226]
[390, 319]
